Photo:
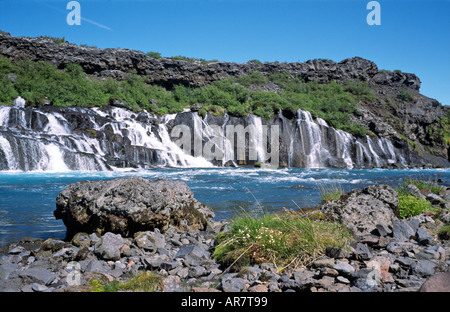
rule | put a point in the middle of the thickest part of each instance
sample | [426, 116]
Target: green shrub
[257, 62]
[155, 55]
[404, 95]
[410, 206]
[253, 79]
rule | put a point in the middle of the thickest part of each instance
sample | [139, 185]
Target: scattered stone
[383, 230]
[403, 231]
[150, 240]
[81, 240]
[423, 268]
[39, 287]
[235, 284]
[109, 246]
[362, 252]
[423, 236]
[343, 267]
[38, 275]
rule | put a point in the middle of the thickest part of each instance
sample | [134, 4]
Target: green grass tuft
[286, 239]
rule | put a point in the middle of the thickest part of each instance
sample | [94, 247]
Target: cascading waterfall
[99, 139]
[289, 137]
[311, 140]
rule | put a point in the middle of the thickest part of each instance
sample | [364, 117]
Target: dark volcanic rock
[129, 205]
[362, 210]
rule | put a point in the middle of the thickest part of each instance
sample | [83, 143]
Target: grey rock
[81, 240]
[39, 287]
[191, 251]
[405, 261]
[170, 265]
[325, 262]
[336, 253]
[16, 250]
[38, 275]
[423, 268]
[235, 284]
[362, 210]
[414, 191]
[423, 236]
[6, 269]
[409, 283]
[108, 248]
[302, 275]
[129, 205]
[343, 267]
[445, 215]
[398, 247]
[284, 278]
[383, 229]
[404, 230]
[150, 240]
[365, 284]
[173, 284]
[435, 199]
[183, 272]
[98, 266]
[434, 252]
[197, 271]
[362, 252]
[342, 280]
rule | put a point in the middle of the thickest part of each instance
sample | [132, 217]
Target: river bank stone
[129, 205]
[362, 210]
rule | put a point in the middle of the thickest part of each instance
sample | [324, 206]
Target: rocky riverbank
[388, 254]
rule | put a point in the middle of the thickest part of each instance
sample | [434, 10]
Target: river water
[28, 199]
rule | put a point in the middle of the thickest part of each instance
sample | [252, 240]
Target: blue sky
[414, 36]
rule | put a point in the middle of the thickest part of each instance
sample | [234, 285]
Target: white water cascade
[71, 138]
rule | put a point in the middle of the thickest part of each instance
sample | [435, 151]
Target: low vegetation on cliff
[41, 82]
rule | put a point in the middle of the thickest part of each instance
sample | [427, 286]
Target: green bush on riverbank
[39, 82]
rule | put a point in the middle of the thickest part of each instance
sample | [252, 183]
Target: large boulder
[128, 205]
[362, 210]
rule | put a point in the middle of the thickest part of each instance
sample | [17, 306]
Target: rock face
[129, 205]
[117, 63]
[362, 210]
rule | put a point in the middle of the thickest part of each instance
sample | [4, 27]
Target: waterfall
[343, 147]
[55, 138]
[311, 140]
[371, 146]
[257, 140]
[4, 116]
[289, 137]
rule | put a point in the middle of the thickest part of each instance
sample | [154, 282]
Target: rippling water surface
[27, 200]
